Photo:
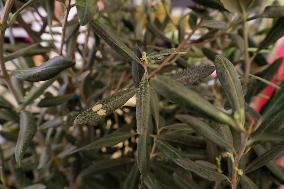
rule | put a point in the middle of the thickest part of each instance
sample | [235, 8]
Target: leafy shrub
[134, 105]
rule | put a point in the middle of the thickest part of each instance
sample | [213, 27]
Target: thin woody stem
[68, 7]
[4, 72]
[171, 58]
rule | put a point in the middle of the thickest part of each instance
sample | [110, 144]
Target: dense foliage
[125, 96]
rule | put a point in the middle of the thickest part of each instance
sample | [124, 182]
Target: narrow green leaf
[236, 6]
[205, 130]
[51, 124]
[5, 103]
[50, 5]
[247, 183]
[163, 174]
[113, 41]
[178, 158]
[215, 24]
[137, 69]
[266, 157]
[184, 180]
[144, 126]
[273, 124]
[273, 12]
[45, 71]
[45, 158]
[27, 131]
[36, 92]
[27, 51]
[209, 53]
[54, 101]
[85, 10]
[102, 166]
[226, 133]
[183, 138]
[228, 78]
[152, 182]
[273, 168]
[267, 74]
[276, 136]
[193, 74]
[215, 4]
[104, 107]
[9, 115]
[154, 101]
[131, 182]
[177, 127]
[275, 33]
[274, 109]
[106, 141]
[187, 98]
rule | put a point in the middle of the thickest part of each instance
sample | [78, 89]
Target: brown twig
[64, 26]
[3, 21]
[182, 47]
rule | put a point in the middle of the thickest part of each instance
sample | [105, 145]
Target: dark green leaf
[27, 131]
[273, 168]
[273, 11]
[5, 103]
[256, 86]
[131, 181]
[247, 183]
[9, 115]
[187, 98]
[275, 106]
[101, 166]
[106, 141]
[137, 69]
[215, 24]
[276, 32]
[215, 4]
[266, 157]
[50, 5]
[54, 101]
[44, 72]
[236, 6]
[184, 180]
[152, 182]
[273, 124]
[177, 157]
[85, 10]
[209, 53]
[36, 92]
[144, 126]
[51, 124]
[231, 84]
[193, 74]
[113, 41]
[27, 51]
[205, 130]
[104, 107]
[154, 101]
[275, 136]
